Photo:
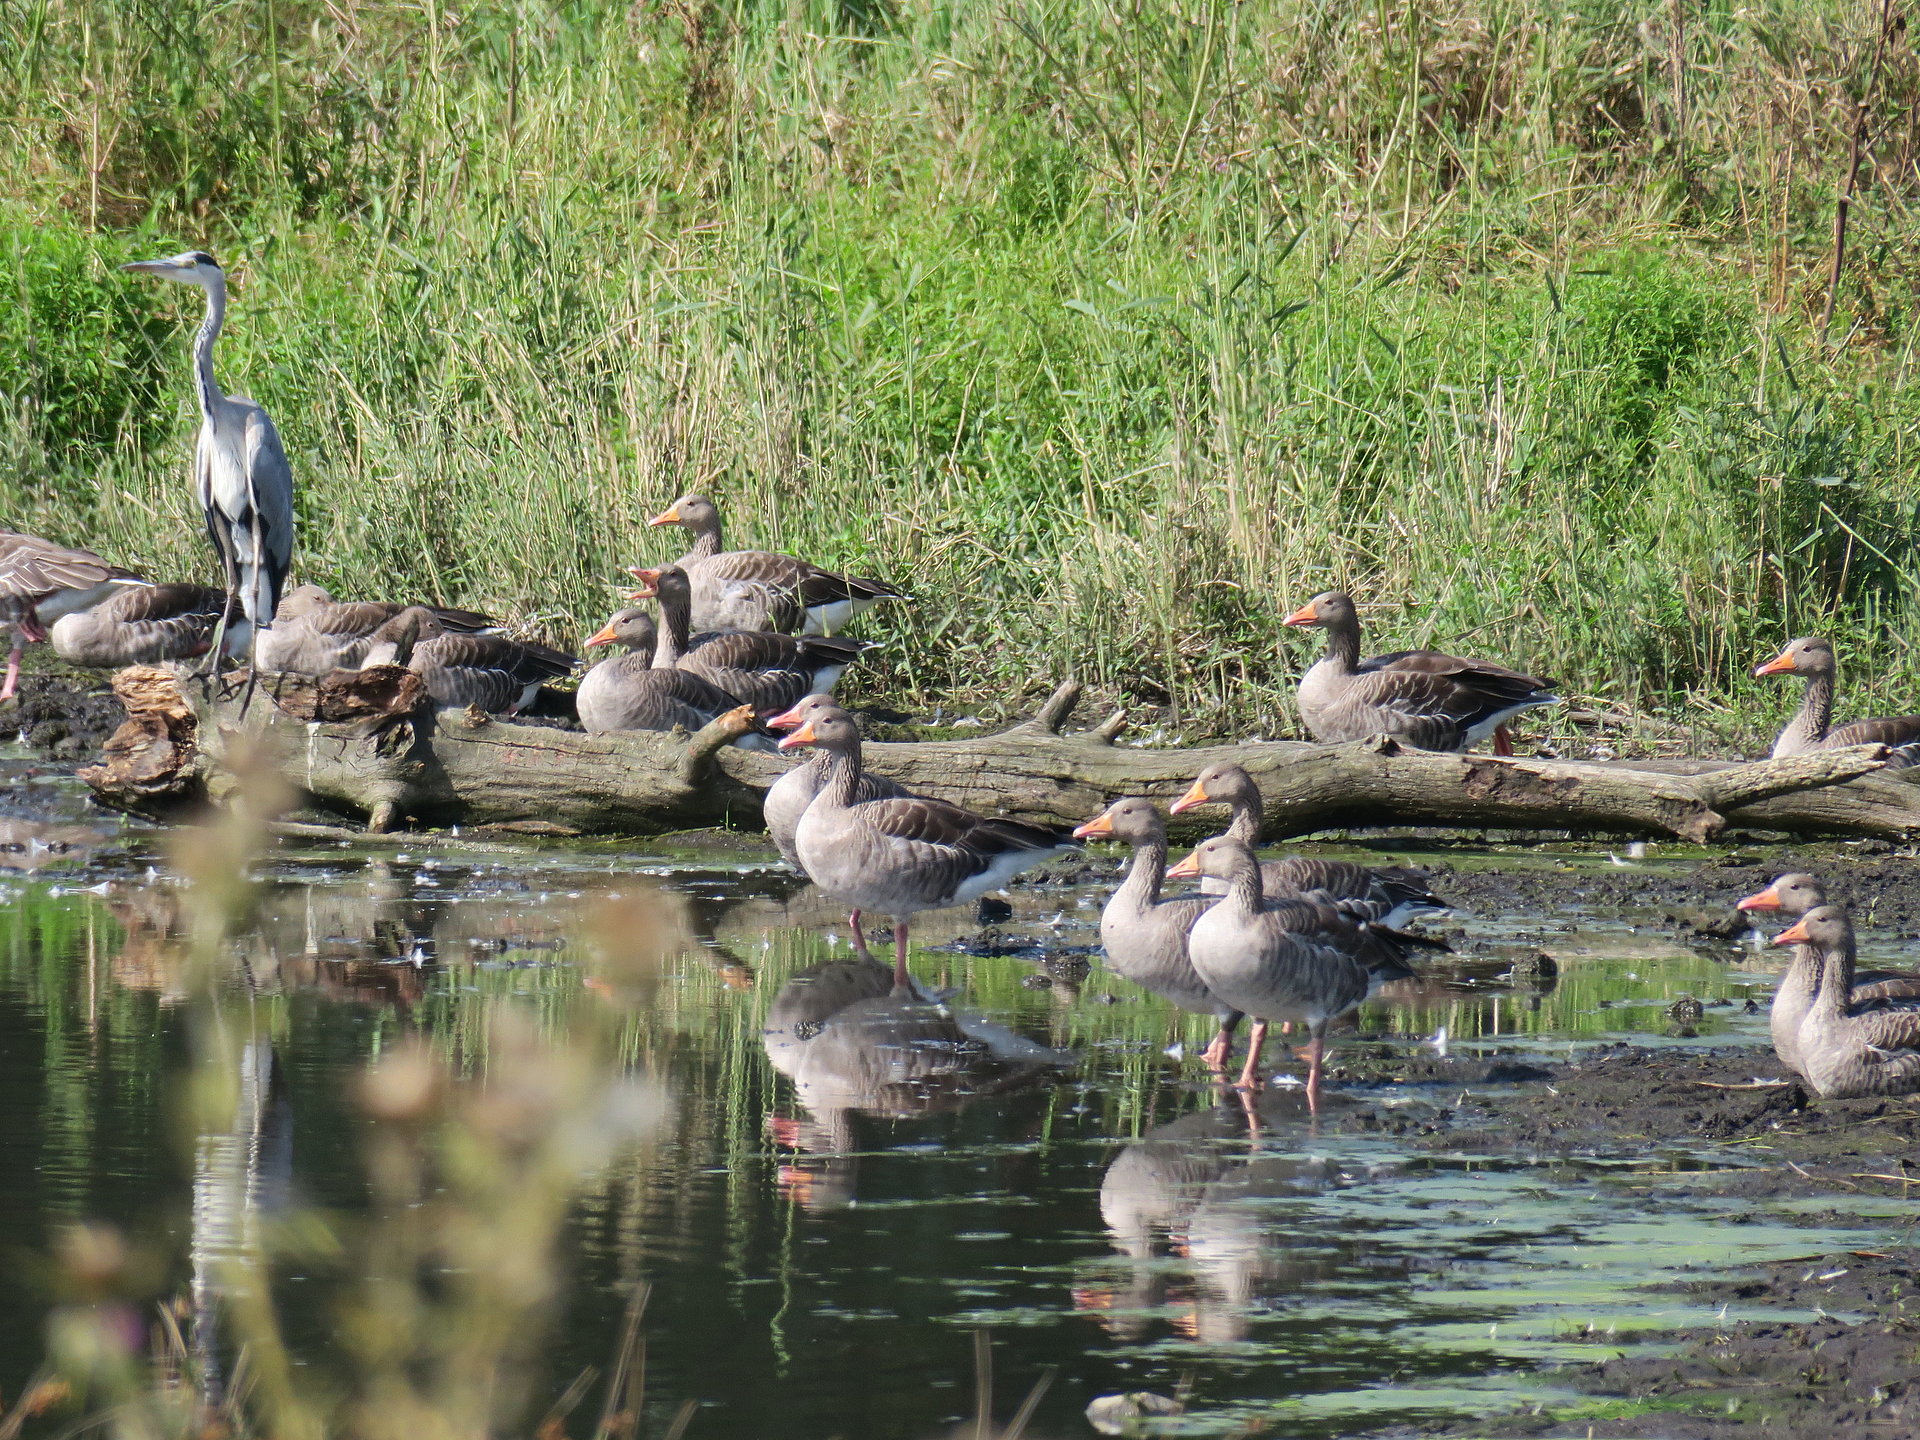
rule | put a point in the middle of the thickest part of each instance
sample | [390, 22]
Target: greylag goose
[788, 797]
[730, 586]
[1278, 960]
[767, 670]
[901, 856]
[1430, 700]
[1811, 728]
[633, 692]
[313, 633]
[492, 672]
[1795, 895]
[40, 582]
[142, 624]
[1843, 1051]
[1144, 936]
[1391, 895]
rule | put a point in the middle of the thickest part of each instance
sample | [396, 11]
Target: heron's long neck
[1141, 888]
[1343, 644]
[208, 387]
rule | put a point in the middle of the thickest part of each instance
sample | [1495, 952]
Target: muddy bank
[67, 715]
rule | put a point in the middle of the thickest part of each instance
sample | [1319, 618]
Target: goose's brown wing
[153, 604]
[350, 619]
[1367, 892]
[31, 568]
[914, 817]
[1483, 673]
[1432, 711]
[1900, 734]
[1894, 987]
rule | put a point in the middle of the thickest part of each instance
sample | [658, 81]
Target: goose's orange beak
[669, 516]
[1781, 664]
[603, 636]
[803, 736]
[1796, 936]
[1196, 795]
[785, 720]
[1305, 615]
[1767, 899]
[649, 584]
[1187, 869]
[1099, 825]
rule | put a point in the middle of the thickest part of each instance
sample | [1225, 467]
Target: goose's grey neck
[1142, 885]
[1809, 724]
[1343, 643]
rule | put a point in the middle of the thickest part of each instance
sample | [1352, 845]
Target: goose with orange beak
[1280, 961]
[1145, 936]
[767, 670]
[1390, 895]
[1799, 894]
[903, 855]
[1427, 698]
[1845, 1052]
[1811, 728]
[762, 589]
[789, 796]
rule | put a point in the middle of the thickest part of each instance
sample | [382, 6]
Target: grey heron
[240, 470]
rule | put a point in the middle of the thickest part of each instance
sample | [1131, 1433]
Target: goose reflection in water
[854, 1046]
[1182, 1206]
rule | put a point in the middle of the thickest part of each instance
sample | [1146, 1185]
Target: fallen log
[445, 768]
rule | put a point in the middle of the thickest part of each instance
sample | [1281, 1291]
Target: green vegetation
[1112, 332]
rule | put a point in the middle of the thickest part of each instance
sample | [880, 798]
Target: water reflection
[1183, 1205]
[854, 1045]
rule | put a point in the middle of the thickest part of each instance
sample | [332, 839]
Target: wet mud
[68, 715]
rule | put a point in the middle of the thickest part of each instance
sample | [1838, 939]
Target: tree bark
[443, 768]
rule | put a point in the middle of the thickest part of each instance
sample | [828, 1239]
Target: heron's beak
[1781, 664]
[1767, 899]
[1099, 825]
[1187, 869]
[785, 720]
[603, 636]
[669, 516]
[1796, 936]
[1196, 795]
[152, 267]
[803, 736]
[1305, 615]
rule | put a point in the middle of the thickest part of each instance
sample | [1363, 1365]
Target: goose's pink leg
[1316, 1052]
[900, 977]
[1218, 1049]
[13, 667]
[859, 936]
[1250, 1072]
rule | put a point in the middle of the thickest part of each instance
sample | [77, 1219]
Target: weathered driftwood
[452, 768]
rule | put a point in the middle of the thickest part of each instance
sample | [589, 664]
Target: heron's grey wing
[270, 494]
[210, 510]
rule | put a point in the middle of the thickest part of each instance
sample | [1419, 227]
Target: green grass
[1111, 333]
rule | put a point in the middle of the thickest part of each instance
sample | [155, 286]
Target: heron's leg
[1502, 740]
[1250, 1072]
[13, 667]
[901, 980]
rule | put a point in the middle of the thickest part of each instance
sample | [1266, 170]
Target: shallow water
[850, 1184]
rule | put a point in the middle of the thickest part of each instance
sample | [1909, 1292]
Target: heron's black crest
[200, 257]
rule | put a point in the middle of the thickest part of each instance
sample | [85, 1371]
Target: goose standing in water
[313, 633]
[634, 691]
[1429, 699]
[1796, 895]
[1286, 961]
[788, 797]
[1145, 936]
[1811, 728]
[901, 856]
[768, 671]
[732, 587]
[1391, 895]
[144, 624]
[499, 675]
[1845, 1052]
[40, 583]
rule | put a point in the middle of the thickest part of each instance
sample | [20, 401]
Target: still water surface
[852, 1184]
